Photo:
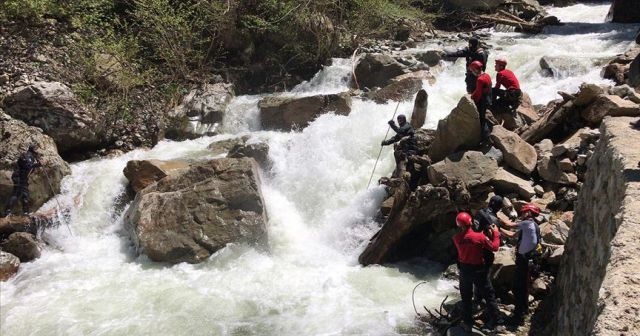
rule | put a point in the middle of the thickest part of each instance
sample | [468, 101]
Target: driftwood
[509, 20]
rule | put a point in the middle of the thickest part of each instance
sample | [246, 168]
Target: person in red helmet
[528, 234]
[481, 95]
[471, 263]
[509, 98]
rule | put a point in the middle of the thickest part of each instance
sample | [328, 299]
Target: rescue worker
[481, 96]
[25, 165]
[472, 53]
[528, 234]
[509, 98]
[471, 263]
[406, 143]
[486, 219]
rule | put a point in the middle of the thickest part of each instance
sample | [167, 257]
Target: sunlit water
[320, 219]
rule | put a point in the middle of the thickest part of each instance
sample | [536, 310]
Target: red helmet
[530, 207]
[476, 65]
[463, 220]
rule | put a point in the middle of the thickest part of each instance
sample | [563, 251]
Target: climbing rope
[381, 147]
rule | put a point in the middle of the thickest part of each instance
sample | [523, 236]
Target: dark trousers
[521, 285]
[470, 80]
[20, 192]
[476, 275]
[506, 99]
[482, 106]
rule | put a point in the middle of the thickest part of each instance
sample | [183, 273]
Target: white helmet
[501, 60]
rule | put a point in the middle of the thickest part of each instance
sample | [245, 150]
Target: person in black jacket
[484, 221]
[25, 165]
[407, 145]
[472, 53]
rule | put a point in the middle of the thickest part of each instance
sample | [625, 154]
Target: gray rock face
[283, 113]
[550, 171]
[16, 136]
[377, 70]
[205, 107]
[460, 129]
[609, 105]
[518, 154]
[22, 245]
[142, 173]
[472, 168]
[506, 183]
[188, 216]
[9, 265]
[53, 107]
[624, 11]
[258, 151]
[601, 252]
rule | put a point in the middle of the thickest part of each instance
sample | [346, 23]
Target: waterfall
[320, 218]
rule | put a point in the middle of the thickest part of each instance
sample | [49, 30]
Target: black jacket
[403, 131]
[25, 164]
[479, 54]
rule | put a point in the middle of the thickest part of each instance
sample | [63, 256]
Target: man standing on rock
[509, 98]
[528, 234]
[486, 220]
[407, 142]
[25, 165]
[481, 96]
[472, 53]
[471, 263]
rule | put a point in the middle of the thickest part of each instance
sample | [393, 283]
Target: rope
[413, 296]
[55, 198]
[381, 147]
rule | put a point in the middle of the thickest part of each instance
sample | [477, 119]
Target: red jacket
[470, 245]
[483, 87]
[508, 79]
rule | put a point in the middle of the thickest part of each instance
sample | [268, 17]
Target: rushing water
[321, 217]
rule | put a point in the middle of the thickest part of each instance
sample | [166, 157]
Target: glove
[391, 122]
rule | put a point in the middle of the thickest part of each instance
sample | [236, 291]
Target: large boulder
[609, 105]
[377, 70]
[525, 114]
[142, 173]
[53, 107]
[419, 115]
[518, 154]
[430, 57]
[259, 151]
[185, 217]
[471, 168]
[555, 232]
[9, 265]
[22, 245]
[559, 67]
[624, 11]
[587, 94]
[400, 90]
[200, 111]
[634, 72]
[506, 183]
[44, 182]
[459, 130]
[223, 147]
[503, 269]
[550, 171]
[284, 113]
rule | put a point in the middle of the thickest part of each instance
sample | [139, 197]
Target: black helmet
[402, 117]
[474, 42]
[495, 203]
[32, 147]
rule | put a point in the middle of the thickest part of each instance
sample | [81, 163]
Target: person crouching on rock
[471, 263]
[509, 98]
[481, 96]
[25, 165]
[528, 234]
[406, 143]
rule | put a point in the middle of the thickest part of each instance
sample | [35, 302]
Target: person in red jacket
[471, 263]
[481, 95]
[509, 98]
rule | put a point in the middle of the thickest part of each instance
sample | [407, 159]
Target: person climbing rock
[406, 147]
[26, 163]
[481, 96]
[509, 98]
[528, 234]
[485, 220]
[471, 53]
[471, 263]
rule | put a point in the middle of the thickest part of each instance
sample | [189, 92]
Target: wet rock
[204, 106]
[419, 115]
[460, 129]
[53, 107]
[430, 57]
[518, 154]
[142, 173]
[22, 245]
[559, 67]
[258, 151]
[506, 183]
[609, 105]
[452, 272]
[285, 113]
[400, 90]
[377, 70]
[44, 182]
[224, 146]
[624, 11]
[9, 265]
[190, 215]
[471, 167]
[11, 224]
